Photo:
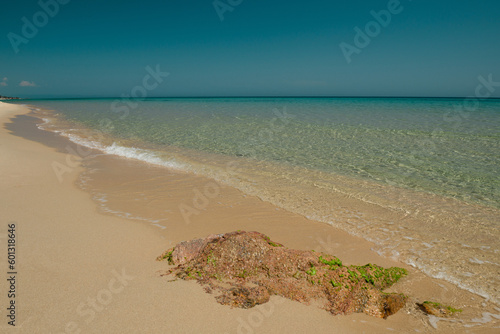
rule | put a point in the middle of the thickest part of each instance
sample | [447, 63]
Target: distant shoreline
[248, 97]
[9, 98]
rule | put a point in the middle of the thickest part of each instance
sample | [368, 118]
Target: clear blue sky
[101, 48]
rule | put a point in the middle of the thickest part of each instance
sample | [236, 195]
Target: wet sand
[82, 268]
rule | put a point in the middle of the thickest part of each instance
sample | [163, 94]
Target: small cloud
[4, 81]
[25, 83]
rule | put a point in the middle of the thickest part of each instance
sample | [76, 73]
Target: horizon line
[261, 96]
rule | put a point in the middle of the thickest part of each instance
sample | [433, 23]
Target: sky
[87, 48]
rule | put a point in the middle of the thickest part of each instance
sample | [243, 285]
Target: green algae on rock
[246, 268]
[438, 310]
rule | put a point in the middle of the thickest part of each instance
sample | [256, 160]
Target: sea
[418, 177]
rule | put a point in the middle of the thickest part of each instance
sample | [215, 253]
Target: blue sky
[260, 48]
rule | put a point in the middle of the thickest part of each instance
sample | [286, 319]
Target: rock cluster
[246, 268]
[437, 309]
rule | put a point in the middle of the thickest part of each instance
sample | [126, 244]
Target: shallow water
[419, 177]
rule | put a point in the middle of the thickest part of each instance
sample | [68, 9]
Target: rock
[437, 309]
[392, 303]
[247, 267]
[244, 297]
[188, 250]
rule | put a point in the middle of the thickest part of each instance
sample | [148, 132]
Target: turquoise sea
[422, 144]
[433, 163]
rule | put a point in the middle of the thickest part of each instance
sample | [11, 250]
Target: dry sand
[81, 271]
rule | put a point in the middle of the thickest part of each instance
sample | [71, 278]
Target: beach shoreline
[69, 253]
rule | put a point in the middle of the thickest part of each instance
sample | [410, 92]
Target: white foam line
[126, 152]
[143, 155]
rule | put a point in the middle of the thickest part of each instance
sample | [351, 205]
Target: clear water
[419, 177]
[421, 144]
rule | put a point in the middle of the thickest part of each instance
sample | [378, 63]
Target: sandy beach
[80, 270]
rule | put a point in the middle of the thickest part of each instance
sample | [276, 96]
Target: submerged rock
[437, 309]
[246, 268]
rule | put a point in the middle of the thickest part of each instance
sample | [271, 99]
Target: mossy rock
[237, 262]
[438, 310]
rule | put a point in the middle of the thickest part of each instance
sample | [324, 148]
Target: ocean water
[419, 177]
